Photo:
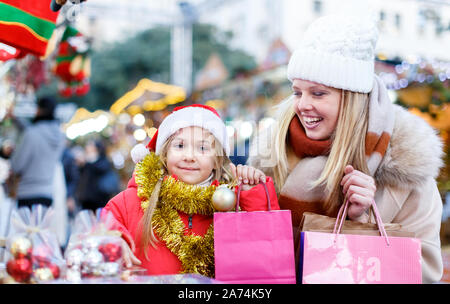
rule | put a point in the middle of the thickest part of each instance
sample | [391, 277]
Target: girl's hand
[247, 175]
[359, 189]
[128, 256]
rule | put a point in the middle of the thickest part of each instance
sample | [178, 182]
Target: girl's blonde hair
[348, 146]
[221, 172]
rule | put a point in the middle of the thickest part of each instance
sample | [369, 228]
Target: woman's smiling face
[317, 107]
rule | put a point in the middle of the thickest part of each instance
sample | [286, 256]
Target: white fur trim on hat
[189, 117]
[337, 51]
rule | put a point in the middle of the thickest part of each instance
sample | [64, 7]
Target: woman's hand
[247, 175]
[359, 189]
[129, 258]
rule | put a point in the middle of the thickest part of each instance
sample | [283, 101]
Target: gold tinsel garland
[195, 252]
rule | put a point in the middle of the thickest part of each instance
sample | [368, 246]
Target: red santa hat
[196, 115]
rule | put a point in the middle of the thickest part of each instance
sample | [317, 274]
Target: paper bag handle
[239, 187]
[342, 214]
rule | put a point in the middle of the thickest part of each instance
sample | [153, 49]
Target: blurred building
[408, 28]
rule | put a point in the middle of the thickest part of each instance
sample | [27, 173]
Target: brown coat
[406, 187]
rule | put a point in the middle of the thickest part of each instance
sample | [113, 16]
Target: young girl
[166, 213]
[340, 137]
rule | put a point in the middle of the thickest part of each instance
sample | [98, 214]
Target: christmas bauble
[73, 275]
[54, 269]
[92, 262]
[223, 199]
[74, 258]
[111, 251]
[20, 269]
[21, 247]
[43, 274]
[110, 269]
[91, 243]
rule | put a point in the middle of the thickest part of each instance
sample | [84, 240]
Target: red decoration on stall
[111, 251]
[73, 63]
[20, 269]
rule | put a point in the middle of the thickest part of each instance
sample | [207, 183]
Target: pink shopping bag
[254, 247]
[334, 258]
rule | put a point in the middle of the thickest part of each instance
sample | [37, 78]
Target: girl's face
[317, 107]
[191, 155]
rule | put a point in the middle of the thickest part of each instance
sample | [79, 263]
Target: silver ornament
[74, 258]
[92, 261]
[91, 243]
[73, 275]
[110, 269]
[223, 199]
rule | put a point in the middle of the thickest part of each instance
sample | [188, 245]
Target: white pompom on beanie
[197, 115]
[337, 51]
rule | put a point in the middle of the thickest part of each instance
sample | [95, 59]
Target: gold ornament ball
[223, 199]
[43, 274]
[21, 246]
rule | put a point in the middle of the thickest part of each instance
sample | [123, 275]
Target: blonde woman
[340, 137]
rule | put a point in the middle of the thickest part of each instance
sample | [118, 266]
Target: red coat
[126, 208]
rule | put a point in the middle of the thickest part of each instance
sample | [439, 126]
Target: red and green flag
[27, 24]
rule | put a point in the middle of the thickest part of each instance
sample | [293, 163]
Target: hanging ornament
[21, 247]
[72, 63]
[223, 199]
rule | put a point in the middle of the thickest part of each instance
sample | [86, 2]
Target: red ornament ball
[111, 251]
[55, 270]
[20, 269]
[44, 262]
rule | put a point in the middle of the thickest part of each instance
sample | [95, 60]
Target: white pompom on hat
[197, 115]
[138, 153]
[337, 51]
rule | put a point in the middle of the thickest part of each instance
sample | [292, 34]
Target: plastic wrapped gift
[173, 279]
[145, 279]
[32, 249]
[6, 206]
[94, 249]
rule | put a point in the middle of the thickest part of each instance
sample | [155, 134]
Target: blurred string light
[170, 95]
[117, 159]
[139, 120]
[415, 70]
[124, 118]
[87, 126]
[84, 122]
[140, 134]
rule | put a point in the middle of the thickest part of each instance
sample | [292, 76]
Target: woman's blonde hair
[221, 172]
[348, 145]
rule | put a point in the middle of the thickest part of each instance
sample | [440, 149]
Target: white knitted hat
[337, 51]
[198, 115]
